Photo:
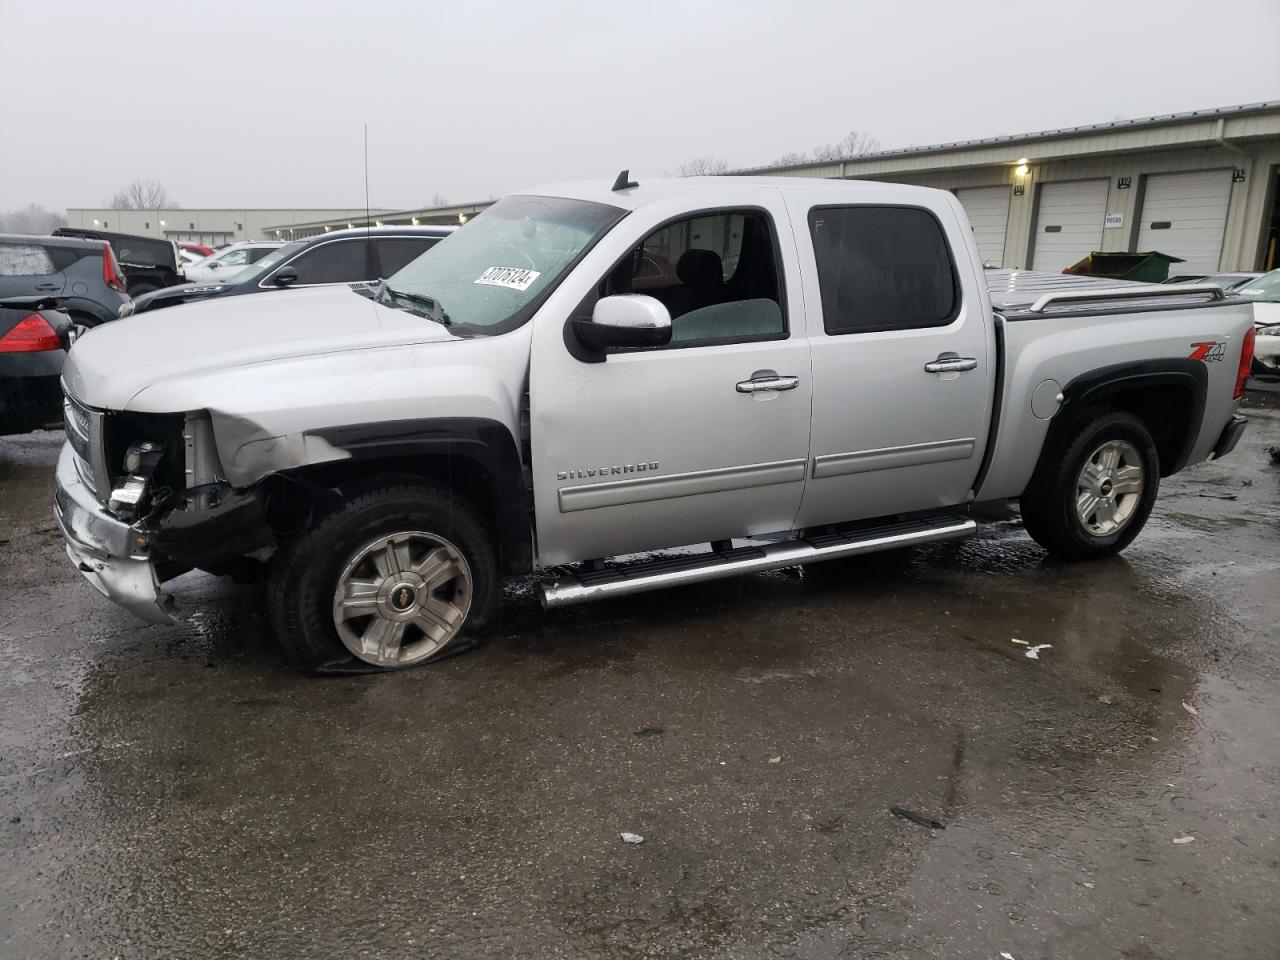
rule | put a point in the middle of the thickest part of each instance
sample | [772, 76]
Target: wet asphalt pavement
[180, 793]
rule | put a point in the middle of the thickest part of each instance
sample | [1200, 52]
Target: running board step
[675, 571]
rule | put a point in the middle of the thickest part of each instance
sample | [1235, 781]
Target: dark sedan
[339, 256]
[34, 339]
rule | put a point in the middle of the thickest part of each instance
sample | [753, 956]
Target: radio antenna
[368, 232]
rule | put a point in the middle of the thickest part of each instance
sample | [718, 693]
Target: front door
[705, 439]
[903, 363]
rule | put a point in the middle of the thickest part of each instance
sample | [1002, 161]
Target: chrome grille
[78, 422]
[84, 434]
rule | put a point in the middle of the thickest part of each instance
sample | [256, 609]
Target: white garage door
[1185, 215]
[1069, 223]
[988, 211]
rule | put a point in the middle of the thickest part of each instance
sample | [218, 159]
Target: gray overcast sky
[243, 103]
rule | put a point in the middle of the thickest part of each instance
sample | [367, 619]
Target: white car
[1265, 294]
[229, 261]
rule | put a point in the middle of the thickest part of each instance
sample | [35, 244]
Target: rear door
[903, 359]
[27, 270]
[1069, 223]
[663, 447]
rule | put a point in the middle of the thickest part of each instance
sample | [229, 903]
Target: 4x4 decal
[1210, 351]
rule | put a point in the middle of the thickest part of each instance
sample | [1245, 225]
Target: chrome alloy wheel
[402, 598]
[1109, 488]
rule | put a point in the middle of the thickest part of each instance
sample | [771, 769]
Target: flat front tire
[388, 580]
[1094, 498]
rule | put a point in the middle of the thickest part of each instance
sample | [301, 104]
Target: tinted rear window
[398, 252]
[882, 268]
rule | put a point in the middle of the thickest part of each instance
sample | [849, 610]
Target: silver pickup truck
[762, 372]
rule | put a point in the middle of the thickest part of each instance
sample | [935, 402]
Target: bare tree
[439, 201]
[704, 166]
[855, 144]
[791, 159]
[31, 219]
[142, 195]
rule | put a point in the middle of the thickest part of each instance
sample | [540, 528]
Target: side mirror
[625, 320]
[215, 265]
[285, 276]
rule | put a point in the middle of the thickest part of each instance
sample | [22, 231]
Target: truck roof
[652, 189]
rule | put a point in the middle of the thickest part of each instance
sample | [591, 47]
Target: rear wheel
[388, 580]
[1096, 497]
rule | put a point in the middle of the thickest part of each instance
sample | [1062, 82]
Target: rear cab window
[882, 268]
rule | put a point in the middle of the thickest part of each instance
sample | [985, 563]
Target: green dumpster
[1150, 267]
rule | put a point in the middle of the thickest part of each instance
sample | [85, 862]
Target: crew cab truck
[825, 372]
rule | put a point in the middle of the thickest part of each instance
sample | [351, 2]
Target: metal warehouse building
[1201, 186]
[204, 225]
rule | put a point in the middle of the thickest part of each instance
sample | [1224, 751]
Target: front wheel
[388, 580]
[1097, 496]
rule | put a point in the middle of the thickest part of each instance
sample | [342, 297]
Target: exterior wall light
[462, 218]
[1021, 169]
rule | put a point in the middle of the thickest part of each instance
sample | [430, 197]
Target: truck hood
[112, 363]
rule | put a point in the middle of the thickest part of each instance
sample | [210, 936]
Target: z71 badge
[1210, 351]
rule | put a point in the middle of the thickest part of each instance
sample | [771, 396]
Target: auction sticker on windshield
[515, 278]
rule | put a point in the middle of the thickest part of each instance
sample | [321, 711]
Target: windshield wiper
[432, 306]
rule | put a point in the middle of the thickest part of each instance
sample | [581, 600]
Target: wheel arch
[1167, 395]
[478, 458]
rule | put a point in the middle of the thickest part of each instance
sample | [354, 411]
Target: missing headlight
[130, 497]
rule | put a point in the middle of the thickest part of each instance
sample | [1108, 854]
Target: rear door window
[25, 260]
[397, 252]
[338, 261]
[882, 268]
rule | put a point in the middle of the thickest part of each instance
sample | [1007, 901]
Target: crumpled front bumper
[111, 554]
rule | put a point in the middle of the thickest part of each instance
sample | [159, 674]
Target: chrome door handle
[951, 365]
[760, 384]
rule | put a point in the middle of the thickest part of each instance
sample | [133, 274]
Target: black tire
[141, 288]
[305, 571]
[1049, 504]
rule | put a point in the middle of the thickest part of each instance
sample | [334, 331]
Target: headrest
[697, 267]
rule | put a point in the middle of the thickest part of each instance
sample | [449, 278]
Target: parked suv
[83, 275]
[227, 262]
[340, 256]
[149, 262]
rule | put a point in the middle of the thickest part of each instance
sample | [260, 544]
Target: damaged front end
[141, 499]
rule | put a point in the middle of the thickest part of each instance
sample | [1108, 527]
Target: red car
[199, 248]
